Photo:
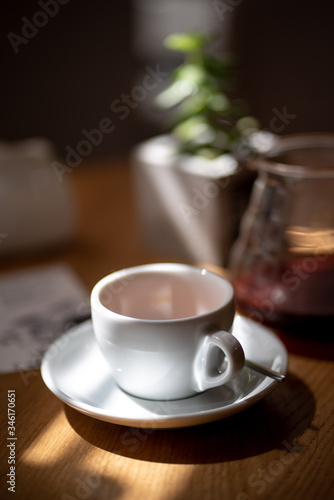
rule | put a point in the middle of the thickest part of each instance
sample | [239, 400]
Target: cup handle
[218, 359]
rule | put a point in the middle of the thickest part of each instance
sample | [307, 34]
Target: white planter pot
[188, 207]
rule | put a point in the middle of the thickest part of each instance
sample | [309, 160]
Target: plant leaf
[187, 42]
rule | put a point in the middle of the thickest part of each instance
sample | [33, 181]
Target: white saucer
[75, 371]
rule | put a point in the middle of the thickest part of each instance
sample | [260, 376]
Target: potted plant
[191, 187]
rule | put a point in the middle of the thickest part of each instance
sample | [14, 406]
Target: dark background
[65, 78]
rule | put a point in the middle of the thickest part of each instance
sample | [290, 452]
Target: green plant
[207, 120]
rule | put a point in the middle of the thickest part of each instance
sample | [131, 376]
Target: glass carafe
[282, 264]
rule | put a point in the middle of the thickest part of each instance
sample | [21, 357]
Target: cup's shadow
[267, 425]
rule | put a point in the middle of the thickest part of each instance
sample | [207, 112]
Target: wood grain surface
[282, 448]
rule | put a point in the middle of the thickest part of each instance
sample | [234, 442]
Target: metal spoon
[265, 371]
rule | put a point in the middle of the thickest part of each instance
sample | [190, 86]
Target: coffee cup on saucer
[164, 330]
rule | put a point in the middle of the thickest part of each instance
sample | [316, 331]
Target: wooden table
[282, 448]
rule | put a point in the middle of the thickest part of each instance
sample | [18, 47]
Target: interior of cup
[166, 294]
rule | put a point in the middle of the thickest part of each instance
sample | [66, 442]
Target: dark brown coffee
[298, 296]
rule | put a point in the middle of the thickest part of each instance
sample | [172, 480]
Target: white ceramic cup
[164, 329]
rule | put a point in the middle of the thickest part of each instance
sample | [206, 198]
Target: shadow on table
[274, 423]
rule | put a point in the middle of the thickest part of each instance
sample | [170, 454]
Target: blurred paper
[35, 307]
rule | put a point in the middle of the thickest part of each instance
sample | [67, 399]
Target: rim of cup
[120, 274]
